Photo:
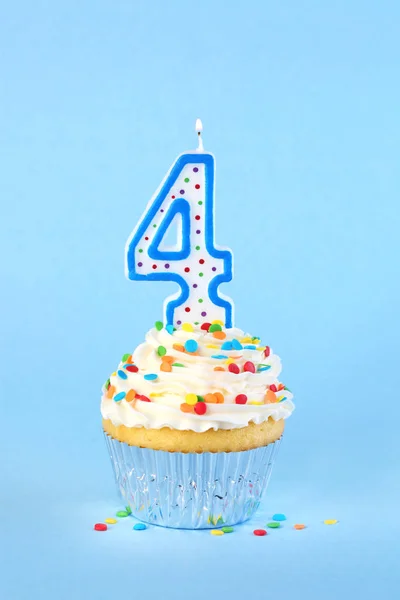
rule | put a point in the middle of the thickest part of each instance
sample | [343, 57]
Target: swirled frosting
[196, 378]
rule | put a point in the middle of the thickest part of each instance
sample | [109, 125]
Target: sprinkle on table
[273, 525]
[122, 513]
[217, 532]
[299, 526]
[260, 532]
[139, 527]
[100, 527]
[279, 517]
[330, 521]
[227, 529]
[110, 521]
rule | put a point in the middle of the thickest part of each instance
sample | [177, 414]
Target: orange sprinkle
[111, 391]
[299, 526]
[166, 367]
[219, 335]
[178, 347]
[281, 387]
[168, 359]
[130, 396]
[270, 397]
[211, 398]
[186, 408]
[219, 369]
[220, 397]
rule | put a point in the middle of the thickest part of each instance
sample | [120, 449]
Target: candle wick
[199, 129]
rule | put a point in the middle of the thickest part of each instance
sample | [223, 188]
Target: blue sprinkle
[236, 345]
[119, 397]
[139, 527]
[284, 398]
[264, 368]
[151, 376]
[191, 346]
[122, 374]
[227, 346]
[219, 356]
[279, 517]
[170, 329]
[250, 347]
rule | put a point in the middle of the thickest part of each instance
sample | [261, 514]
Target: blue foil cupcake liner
[191, 491]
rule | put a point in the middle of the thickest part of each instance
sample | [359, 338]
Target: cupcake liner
[191, 491]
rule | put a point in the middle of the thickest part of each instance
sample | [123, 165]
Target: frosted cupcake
[193, 419]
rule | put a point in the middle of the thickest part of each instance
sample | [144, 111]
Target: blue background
[300, 103]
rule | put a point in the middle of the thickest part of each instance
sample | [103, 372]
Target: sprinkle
[299, 526]
[159, 325]
[260, 532]
[256, 340]
[286, 389]
[186, 408]
[330, 521]
[219, 369]
[119, 397]
[227, 346]
[177, 365]
[178, 347]
[150, 376]
[233, 368]
[131, 395]
[191, 346]
[219, 335]
[273, 525]
[205, 326]
[166, 367]
[281, 398]
[227, 529]
[211, 399]
[126, 358]
[142, 398]
[122, 374]
[170, 329]
[122, 513]
[229, 361]
[215, 327]
[107, 384]
[217, 532]
[100, 527]
[279, 517]
[273, 388]
[218, 322]
[270, 397]
[139, 527]
[249, 366]
[212, 346]
[200, 408]
[161, 351]
[246, 340]
[110, 521]
[255, 403]
[263, 368]
[188, 327]
[236, 345]
[110, 391]
[191, 399]
[220, 397]
[249, 347]
[219, 356]
[267, 351]
[281, 387]
[241, 399]
[168, 359]
[131, 368]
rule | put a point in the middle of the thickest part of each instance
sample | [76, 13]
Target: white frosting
[197, 376]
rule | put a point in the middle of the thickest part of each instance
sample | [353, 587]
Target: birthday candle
[196, 263]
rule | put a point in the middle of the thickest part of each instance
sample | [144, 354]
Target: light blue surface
[300, 104]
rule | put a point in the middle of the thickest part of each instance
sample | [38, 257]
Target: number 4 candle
[196, 263]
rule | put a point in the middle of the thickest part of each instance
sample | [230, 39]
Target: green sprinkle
[107, 384]
[122, 513]
[287, 389]
[196, 323]
[125, 358]
[200, 300]
[227, 529]
[128, 510]
[197, 247]
[161, 351]
[159, 325]
[200, 202]
[177, 365]
[140, 250]
[186, 180]
[273, 525]
[215, 327]
[201, 274]
[200, 398]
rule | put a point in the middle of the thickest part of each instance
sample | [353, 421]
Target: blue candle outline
[154, 206]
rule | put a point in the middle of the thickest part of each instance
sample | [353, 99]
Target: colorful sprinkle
[273, 388]
[263, 368]
[139, 527]
[249, 347]
[110, 521]
[159, 325]
[233, 368]
[100, 527]
[191, 399]
[219, 335]
[227, 346]
[211, 399]
[177, 365]
[270, 397]
[150, 376]
[260, 532]
[227, 529]
[170, 329]
[215, 327]
[236, 344]
[122, 374]
[188, 327]
[267, 351]
[299, 526]
[122, 513]
[131, 395]
[161, 351]
[219, 356]
[131, 368]
[241, 399]
[200, 408]
[273, 525]
[110, 391]
[191, 346]
[186, 408]
[279, 517]
[330, 521]
[142, 398]
[220, 397]
[217, 532]
[166, 367]
[119, 397]
[205, 326]
[249, 366]
[126, 358]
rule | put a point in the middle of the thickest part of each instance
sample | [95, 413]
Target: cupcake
[193, 419]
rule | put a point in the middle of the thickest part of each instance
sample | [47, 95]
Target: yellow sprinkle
[217, 322]
[280, 398]
[261, 348]
[154, 395]
[211, 346]
[256, 341]
[216, 532]
[113, 374]
[255, 403]
[330, 522]
[191, 399]
[246, 340]
[188, 327]
[110, 521]
[229, 361]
